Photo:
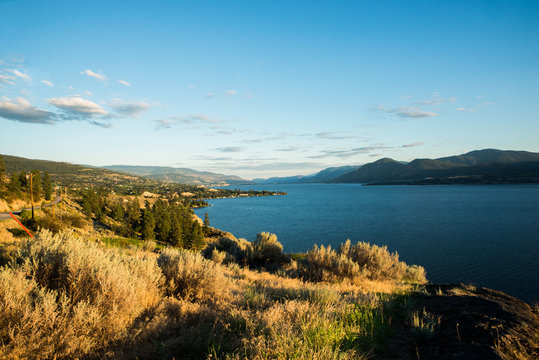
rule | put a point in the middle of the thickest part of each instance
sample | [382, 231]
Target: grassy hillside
[68, 174]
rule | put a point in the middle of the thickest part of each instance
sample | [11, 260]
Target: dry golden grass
[75, 298]
[189, 276]
[66, 297]
[357, 263]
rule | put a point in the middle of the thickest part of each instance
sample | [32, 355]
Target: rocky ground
[474, 323]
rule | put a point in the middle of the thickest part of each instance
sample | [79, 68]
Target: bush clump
[235, 250]
[191, 277]
[61, 296]
[325, 264]
[265, 251]
[356, 262]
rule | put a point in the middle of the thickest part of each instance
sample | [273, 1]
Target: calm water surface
[483, 235]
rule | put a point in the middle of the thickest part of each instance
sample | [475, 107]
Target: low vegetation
[64, 296]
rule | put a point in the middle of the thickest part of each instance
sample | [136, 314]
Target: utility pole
[61, 204]
[32, 195]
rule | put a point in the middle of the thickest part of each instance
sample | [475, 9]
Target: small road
[5, 215]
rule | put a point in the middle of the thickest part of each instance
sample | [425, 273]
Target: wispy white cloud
[417, 143]
[77, 107]
[436, 99]
[127, 108]
[332, 136]
[4, 79]
[231, 92]
[408, 112]
[47, 82]
[124, 82]
[21, 110]
[210, 95]
[164, 123]
[412, 112]
[345, 153]
[288, 149]
[230, 149]
[98, 76]
[100, 124]
[171, 121]
[476, 107]
[24, 76]
[192, 119]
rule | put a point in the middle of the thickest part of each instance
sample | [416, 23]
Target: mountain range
[479, 166]
[179, 175]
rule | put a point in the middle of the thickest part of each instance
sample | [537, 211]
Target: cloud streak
[22, 111]
[97, 76]
[125, 83]
[408, 112]
[348, 152]
[417, 143]
[127, 108]
[4, 79]
[21, 75]
[230, 149]
[76, 107]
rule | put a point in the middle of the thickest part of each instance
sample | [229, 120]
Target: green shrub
[236, 251]
[267, 251]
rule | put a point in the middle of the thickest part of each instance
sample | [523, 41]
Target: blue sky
[266, 88]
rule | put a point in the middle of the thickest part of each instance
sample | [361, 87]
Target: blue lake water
[485, 235]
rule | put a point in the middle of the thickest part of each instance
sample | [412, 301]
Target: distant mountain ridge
[489, 165]
[179, 175]
[325, 175]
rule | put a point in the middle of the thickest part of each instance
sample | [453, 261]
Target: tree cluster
[166, 221]
[17, 184]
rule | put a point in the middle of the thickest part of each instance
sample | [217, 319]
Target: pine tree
[2, 170]
[23, 181]
[148, 224]
[196, 238]
[176, 233]
[15, 185]
[47, 186]
[36, 185]
[206, 226]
